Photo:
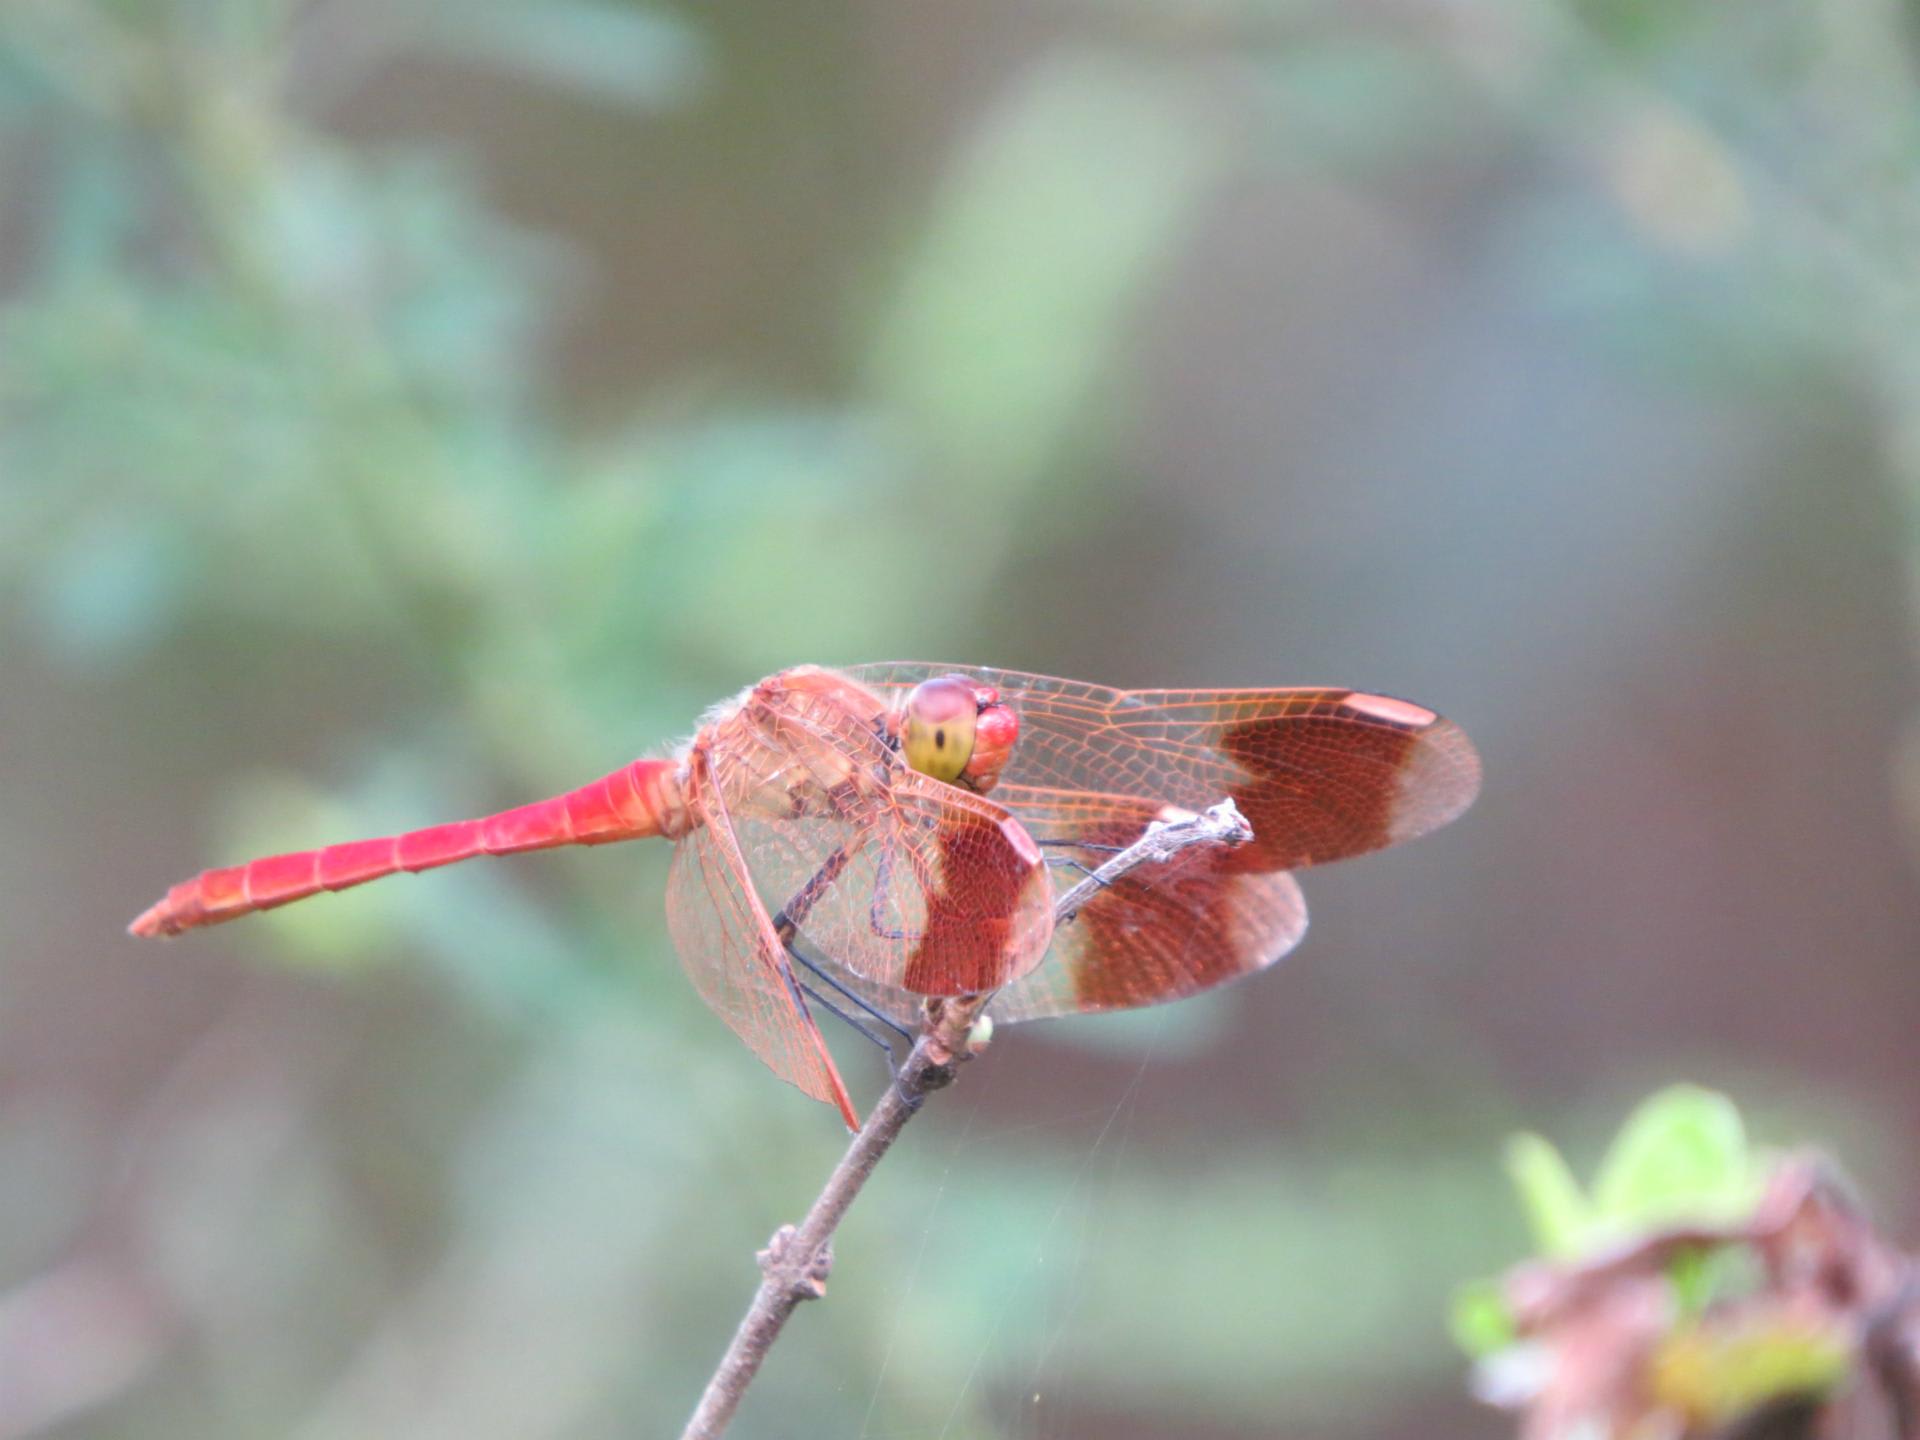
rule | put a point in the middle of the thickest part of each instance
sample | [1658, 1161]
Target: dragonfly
[900, 831]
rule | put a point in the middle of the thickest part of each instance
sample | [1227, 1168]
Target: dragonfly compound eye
[994, 734]
[937, 738]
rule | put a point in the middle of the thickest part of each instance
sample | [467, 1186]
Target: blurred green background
[412, 407]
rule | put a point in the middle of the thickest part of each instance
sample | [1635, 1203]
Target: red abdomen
[643, 799]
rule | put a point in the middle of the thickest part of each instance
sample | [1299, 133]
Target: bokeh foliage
[1702, 1285]
[295, 477]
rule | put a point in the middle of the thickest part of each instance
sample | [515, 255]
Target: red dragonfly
[848, 811]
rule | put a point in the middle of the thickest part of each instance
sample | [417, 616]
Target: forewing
[1159, 932]
[892, 876]
[726, 941]
[1321, 774]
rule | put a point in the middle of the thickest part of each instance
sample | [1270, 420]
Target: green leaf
[1557, 1211]
[1681, 1157]
[1480, 1321]
[1706, 1277]
[1716, 1374]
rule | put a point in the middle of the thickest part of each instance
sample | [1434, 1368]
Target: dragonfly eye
[994, 733]
[937, 738]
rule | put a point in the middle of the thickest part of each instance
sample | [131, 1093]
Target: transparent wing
[726, 941]
[896, 878]
[1321, 774]
[1158, 933]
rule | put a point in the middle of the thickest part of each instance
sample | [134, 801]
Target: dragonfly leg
[1069, 863]
[852, 1022]
[895, 1067]
[785, 930]
[803, 992]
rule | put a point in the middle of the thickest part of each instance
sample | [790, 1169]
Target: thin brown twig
[795, 1264]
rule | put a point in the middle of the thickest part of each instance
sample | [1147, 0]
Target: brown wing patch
[1156, 934]
[983, 910]
[1323, 778]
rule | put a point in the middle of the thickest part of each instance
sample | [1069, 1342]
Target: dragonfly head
[958, 731]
